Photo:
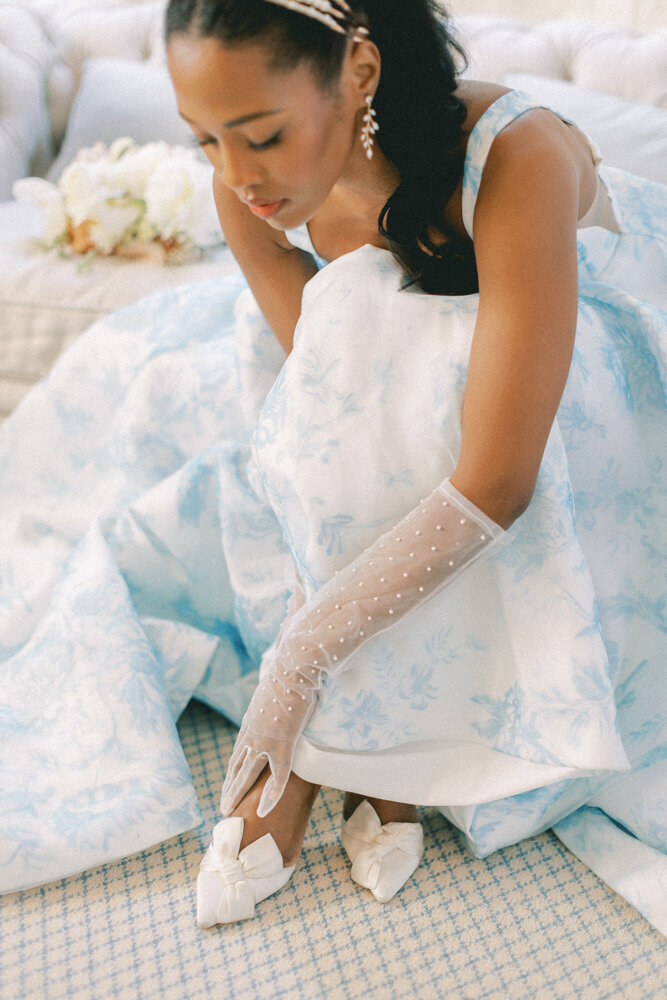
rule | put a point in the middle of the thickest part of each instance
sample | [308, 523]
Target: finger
[236, 770]
[236, 762]
[273, 789]
[234, 790]
[247, 775]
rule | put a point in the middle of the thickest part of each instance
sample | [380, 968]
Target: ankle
[387, 810]
[286, 822]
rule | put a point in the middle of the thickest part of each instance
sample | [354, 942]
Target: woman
[294, 91]
[466, 495]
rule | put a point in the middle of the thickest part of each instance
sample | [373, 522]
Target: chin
[279, 224]
[296, 217]
[282, 225]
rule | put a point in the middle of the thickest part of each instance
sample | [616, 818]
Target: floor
[529, 923]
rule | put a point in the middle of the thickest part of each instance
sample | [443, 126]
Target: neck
[365, 185]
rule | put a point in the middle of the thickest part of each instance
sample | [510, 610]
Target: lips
[265, 209]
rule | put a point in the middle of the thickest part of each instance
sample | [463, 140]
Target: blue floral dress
[157, 485]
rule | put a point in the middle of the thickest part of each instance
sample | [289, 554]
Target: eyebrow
[243, 120]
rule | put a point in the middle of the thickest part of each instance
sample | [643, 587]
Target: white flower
[88, 154]
[93, 197]
[49, 199]
[133, 169]
[154, 200]
[110, 222]
[179, 199]
[119, 147]
[86, 184]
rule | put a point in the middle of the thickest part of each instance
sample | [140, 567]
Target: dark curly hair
[421, 118]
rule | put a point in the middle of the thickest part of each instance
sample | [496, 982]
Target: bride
[454, 447]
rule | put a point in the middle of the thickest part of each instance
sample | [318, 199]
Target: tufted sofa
[75, 71]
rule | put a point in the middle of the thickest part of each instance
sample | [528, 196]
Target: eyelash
[259, 146]
[256, 146]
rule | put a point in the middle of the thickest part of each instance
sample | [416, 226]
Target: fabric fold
[92, 767]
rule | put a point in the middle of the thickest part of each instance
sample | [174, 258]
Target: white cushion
[613, 60]
[46, 300]
[121, 97]
[630, 135]
[497, 46]
[97, 30]
[602, 57]
[25, 130]
[640, 15]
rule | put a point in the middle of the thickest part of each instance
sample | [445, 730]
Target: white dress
[154, 487]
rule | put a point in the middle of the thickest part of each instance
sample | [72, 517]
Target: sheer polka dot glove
[270, 730]
[271, 726]
[426, 550]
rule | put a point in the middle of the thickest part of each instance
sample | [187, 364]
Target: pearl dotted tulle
[397, 573]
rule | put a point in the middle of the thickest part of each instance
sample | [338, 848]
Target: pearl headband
[333, 14]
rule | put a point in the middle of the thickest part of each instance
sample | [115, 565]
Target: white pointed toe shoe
[230, 884]
[383, 856]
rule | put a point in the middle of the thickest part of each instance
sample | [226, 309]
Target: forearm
[440, 538]
[424, 552]
[276, 271]
[278, 290]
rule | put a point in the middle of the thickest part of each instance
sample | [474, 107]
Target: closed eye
[272, 141]
[194, 141]
[256, 146]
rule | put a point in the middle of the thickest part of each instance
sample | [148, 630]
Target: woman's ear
[364, 67]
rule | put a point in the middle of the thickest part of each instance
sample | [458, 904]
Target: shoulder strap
[503, 111]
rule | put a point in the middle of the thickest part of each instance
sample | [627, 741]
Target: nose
[236, 169]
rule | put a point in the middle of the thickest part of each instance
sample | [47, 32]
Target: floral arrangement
[150, 202]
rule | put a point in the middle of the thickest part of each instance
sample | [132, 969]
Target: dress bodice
[497, 116]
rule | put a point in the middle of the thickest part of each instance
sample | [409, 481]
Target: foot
[388, 811]
[251, 858]
[286, 822]
[384, 849]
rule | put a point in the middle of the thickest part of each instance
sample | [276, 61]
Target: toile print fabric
[159, 488]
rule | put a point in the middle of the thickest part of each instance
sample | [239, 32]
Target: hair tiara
[334, 14]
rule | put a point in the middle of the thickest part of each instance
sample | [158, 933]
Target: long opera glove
[424, 552]
[259, 740]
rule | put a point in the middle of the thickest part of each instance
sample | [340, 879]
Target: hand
[255, 747]
[270, 730]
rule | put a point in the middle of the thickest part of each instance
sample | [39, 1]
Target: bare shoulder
[478, 97]
[537, 148]
[534, 127]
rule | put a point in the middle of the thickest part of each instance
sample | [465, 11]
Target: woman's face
[274, 137]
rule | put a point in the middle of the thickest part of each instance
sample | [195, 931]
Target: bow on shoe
[225, 890]
[383, 857]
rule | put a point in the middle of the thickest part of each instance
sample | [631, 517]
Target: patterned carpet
[529, 923]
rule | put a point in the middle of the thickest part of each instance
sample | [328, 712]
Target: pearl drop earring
[369, 127]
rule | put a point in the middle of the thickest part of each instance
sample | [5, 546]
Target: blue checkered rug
[529, 923]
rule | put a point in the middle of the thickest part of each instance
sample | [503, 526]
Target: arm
[275, 270]
[419, 556]
[537, 182]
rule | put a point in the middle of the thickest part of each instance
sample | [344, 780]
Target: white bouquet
[151, 201]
